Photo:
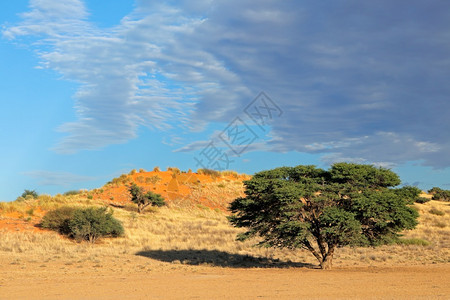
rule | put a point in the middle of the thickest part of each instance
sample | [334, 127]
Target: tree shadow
[219, 259]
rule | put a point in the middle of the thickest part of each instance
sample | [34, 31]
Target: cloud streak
[357, 80]
[57, 178]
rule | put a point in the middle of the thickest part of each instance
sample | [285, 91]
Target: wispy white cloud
[57, 178]
[356, 80]
[136, 74]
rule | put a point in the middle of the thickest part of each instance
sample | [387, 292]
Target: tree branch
[312, 250]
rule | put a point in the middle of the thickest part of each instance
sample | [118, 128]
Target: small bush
[91, 223]
[174, 170]
[440, 224]
[437, 212]
[27, 193]
[142, 170]
[132, 172]
[422, 200]
[72, 193]
[230, 173]
[153, 179]
[58, 219]
[156, 169]
[213, 173]
[83, 223]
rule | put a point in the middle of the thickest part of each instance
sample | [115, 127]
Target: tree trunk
[327, 261]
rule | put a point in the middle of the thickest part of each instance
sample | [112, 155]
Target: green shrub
[72, 193]
[422, 200]
[91, 223]
[408, 193]
[31, 193]
[440, 194]
[437, 212]
[83, 223]
[58, 219]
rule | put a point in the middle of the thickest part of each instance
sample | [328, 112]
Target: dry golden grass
[211, 194]
[199, 235]
[194, 229]
[190, 250]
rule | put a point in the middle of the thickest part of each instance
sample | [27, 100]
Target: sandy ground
[135, 277]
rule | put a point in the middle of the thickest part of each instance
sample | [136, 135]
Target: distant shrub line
[440, 194]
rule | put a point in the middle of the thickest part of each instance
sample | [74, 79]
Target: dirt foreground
[144, 278]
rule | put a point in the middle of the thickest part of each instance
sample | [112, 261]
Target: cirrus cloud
[357, 80]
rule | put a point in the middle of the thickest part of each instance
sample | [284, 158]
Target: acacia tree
[318, 210]
[145, 199]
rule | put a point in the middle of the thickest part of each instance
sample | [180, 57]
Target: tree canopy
[143, 199]
[321, 210]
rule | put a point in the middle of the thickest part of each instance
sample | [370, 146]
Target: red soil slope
[174, 186]
[177, 188]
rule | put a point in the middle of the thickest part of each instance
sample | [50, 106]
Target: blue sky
[90, 91]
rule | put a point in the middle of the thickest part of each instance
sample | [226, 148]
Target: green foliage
[422, 200]
[72, 193]
[145, 199]
[437, 212]
[58, 219]
[27, 194]
[82, 223]
[91, 223]
[318, 210]
[440, 194]
[409, 193]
